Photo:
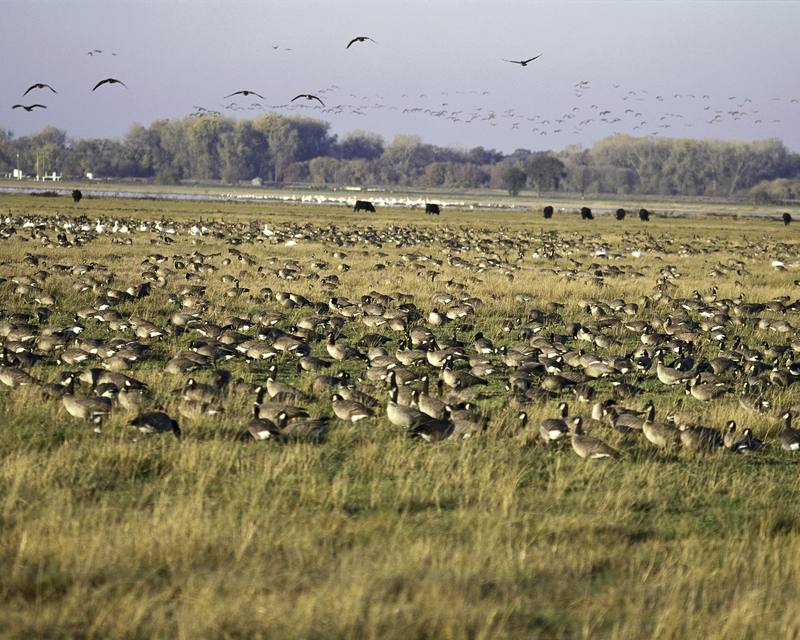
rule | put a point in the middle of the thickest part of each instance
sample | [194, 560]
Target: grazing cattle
[432, 209]
[620, 214]
[787, 218]
[644, 215]
[548, 212]
[77, 195]
[364, 205]
[586, 213]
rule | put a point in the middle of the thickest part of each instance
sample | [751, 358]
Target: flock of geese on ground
[292, 355]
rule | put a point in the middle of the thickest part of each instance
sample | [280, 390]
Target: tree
[545, 171]
[323, 170]
[283, 141]
[359, 144]
[513, 178]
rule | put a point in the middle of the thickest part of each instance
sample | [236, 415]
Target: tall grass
[371, 535]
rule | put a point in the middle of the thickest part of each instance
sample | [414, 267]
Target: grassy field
[372, 534]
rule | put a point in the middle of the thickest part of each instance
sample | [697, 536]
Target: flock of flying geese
[301, 355]
[677, 111]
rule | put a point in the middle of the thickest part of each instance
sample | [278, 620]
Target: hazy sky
[435, 69]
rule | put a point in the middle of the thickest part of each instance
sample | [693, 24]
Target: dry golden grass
[372, 535]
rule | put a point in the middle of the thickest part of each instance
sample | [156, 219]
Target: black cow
[432, 209]
[364, 205]
[548, 212]
[586, 213]
[787, 218]
[77, 195]
[644, 215]
[620, 214]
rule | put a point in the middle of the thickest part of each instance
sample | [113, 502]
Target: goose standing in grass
[402, 415]
[588, 447]
[431, 405]
[663, 435]
[342, 352]
[350, 410]
[90, 408]
[789, 437]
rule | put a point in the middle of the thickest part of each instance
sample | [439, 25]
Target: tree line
[278, 149]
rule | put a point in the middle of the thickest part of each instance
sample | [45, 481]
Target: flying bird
[39, 85]
[359, 39]
[110, 81]
[524, 63]
[245, 92]
[29, 107]
[307, 96]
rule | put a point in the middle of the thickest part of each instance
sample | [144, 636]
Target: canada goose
[29, 107]
[432, 430]
[553, 429]
[466, 422]
[349, 410]
[276, 387]
[39, 85]
[14, 377]
[156, 422]
[556, 383]
[109, 81]
[89, 408]
[437, 319]
[261, 428]
[747, 442]
[402, 415]
[199, 392]
[730, 435]
[699, 439]
[668, 375]
[704, 391]
[342, 352]
[481, 344]
[307, 96]
[589, 447]
[194, 409]
[312, 430]
[789, 438]
[431, 405]
[458, 378]
[754, 402]
[661, 434]
[351, 393]
[58, 389]
[245, 93]
[410, 357]
[359, 39]
[523, 63]
[312, 364]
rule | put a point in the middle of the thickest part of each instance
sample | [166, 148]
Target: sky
[692, 69]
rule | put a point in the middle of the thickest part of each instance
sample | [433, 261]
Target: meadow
[372, 534]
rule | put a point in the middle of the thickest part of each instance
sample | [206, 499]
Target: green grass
[372, 534]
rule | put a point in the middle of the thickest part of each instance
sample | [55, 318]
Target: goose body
[350, 410]
[589, 447]
[156, 423]
[789, 438]
[554, 429]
